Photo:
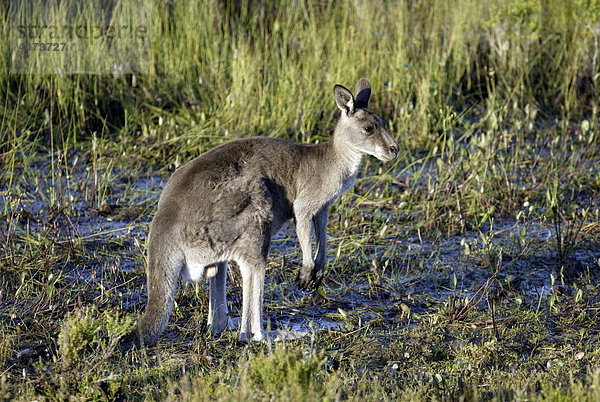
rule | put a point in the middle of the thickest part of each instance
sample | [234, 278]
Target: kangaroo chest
[345, 184]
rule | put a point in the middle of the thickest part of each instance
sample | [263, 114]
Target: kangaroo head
[362, 130]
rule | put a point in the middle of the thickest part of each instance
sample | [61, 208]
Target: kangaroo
[229, 202]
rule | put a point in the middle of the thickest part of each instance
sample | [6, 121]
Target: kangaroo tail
[162, 275]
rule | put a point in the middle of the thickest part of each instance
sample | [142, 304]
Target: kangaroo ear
[363, 93]
[344, 99]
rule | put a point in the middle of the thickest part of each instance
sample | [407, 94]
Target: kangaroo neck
[331, 165]
[347, 157]
[348, 160]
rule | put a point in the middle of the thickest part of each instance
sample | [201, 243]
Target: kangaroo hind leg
[217, 306]
[253, 280]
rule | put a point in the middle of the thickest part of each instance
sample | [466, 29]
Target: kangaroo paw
[309, 278]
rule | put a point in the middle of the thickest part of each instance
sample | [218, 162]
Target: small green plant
[88, 336]
[568, 219]
[287, 371]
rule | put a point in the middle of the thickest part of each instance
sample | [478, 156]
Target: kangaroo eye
[369, 129]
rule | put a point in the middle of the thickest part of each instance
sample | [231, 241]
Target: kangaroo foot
[309, 278]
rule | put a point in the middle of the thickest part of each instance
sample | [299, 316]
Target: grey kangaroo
[229, 202]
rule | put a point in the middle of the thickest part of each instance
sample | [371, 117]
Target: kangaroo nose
[394, 149]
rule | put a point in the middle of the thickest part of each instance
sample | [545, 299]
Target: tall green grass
[221, 69]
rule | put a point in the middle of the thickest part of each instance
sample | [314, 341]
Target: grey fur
[228, 203]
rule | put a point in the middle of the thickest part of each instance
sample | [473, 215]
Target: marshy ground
[466, 269]
[482, 312]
